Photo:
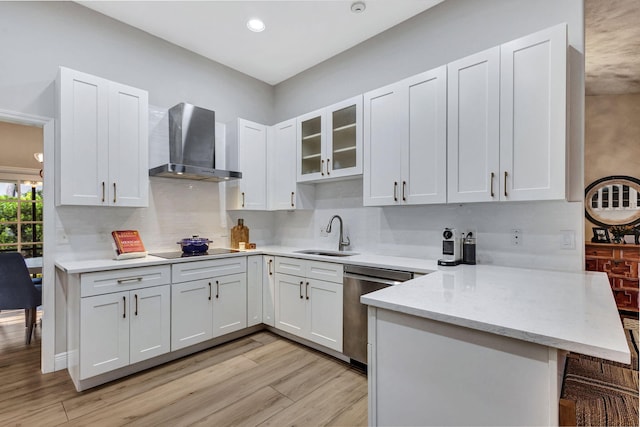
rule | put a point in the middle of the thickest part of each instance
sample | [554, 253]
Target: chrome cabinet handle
[103, 192]
[292, 204]
[322, 167]
[243, 199]
[129, 279]
[301, 283]
[306, 290]
[395, 191]
[209, 291]
[505, 183]
[114, 192]
[217, 289]
[270, 263]
[124, 307]
[328, 171]
[135, 296]
[404, 188]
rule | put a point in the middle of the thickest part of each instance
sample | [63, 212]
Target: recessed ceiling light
[255, 25]
[358, 7]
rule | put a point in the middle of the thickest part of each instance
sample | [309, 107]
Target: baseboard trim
[60, 361]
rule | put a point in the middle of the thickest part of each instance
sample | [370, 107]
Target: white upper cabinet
[533, 103]
[102, 142]
[405, 141]
[507, 121]
[330, 142]
[284, 191]
[249, 155]
[474, 127]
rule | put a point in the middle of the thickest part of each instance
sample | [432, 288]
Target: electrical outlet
[516, 237]
[323, 232]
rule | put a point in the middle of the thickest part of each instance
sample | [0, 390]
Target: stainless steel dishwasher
[359, 280]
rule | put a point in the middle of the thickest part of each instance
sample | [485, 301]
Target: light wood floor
[261, 380]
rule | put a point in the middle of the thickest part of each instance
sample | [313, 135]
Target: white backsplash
[179, 208]
[416, 231]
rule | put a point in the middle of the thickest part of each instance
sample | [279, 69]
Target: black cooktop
[213, 251]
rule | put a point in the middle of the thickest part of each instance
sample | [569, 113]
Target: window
[21, 217]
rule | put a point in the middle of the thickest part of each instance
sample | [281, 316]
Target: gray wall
[451, 30]
[38, 37]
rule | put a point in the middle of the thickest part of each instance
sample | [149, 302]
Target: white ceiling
[298, 35]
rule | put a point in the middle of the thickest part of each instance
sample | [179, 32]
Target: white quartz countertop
[569, 311]
[415, 265]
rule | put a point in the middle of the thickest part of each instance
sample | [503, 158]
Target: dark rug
[605, 392]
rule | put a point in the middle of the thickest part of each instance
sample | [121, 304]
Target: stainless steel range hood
[192, 146]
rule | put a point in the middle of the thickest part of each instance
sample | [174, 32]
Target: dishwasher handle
[371, 279]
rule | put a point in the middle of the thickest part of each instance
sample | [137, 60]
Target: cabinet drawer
[618, 283]
[595, 251]
[105, 282]
[326, 271]
[293, 266]
[197, 270]
[631, 254]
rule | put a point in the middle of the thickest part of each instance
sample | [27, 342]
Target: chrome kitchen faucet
[341, 242]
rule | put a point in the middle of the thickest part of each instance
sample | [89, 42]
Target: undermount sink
[325, 252]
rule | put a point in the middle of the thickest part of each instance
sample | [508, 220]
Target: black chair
[17, 290]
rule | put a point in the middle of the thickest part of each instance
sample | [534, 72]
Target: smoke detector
[358, 7]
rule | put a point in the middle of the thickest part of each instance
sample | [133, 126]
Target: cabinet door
[150, 322]
[252, 161]
[310, 141]
[83, 140]
[191, 313]
[282, 154]
[424, 156]
[128, 183]
[104, 333]
[473, 140]
[343, 149]
[268, 291]
[533, 91]
[290, 304]
[384, 126]
[255, 277]
[229, 304]
[324, 313]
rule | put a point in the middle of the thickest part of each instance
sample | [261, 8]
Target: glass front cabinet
[330, 142]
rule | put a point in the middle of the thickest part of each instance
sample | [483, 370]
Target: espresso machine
[451, 248]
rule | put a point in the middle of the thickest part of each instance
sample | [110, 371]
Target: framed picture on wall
[600, 235]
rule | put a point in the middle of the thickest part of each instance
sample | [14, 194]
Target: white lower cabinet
[121, 317]
[104, 334]
[255, 272]
[207, 307]
[112, 330]
[149, 323]
[229, 304]
[268, 291]
[191, 313]
[308, 307]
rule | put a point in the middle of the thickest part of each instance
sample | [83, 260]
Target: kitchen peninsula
[484, 345]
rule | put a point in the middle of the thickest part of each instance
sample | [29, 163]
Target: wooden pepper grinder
[239, 233]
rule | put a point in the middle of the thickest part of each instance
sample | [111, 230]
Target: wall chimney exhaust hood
[192, 146]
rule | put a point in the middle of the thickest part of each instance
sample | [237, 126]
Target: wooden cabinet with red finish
[620, 262]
